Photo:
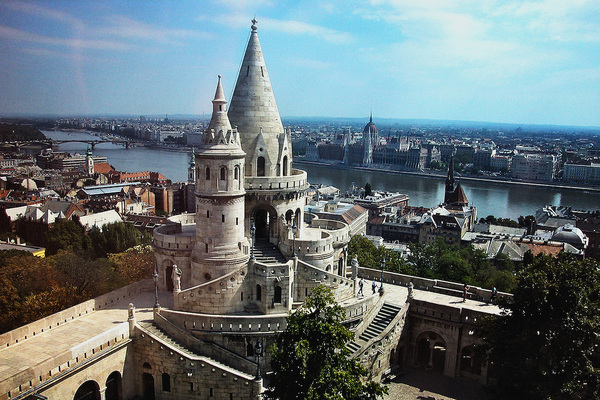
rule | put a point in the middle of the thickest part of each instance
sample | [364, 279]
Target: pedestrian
[465, 289]
[374, 286]
[494, 294]
[361, 283]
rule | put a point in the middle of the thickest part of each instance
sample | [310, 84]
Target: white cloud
[76, 43]
[286, 26]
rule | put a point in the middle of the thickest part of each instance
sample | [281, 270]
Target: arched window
[166, 382]
[260, 166]
[113, 387]
[285, 166]
[89, 390]
[277, 296]
[258, 293]
[208, 173]
[236, 172]
[223, 173]
[147, 382]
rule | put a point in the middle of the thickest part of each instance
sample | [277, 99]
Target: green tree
[545, 346]
[116, 237]
[310, 360]
[67, 235]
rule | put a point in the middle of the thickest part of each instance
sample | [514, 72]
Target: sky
[526, 62]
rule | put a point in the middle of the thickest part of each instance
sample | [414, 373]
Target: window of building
[260, 166]
[258, 293]
[208, 173]
[223, 173]
[166, 382]
[277, 296]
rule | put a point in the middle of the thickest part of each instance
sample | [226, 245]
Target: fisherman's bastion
[229, 275]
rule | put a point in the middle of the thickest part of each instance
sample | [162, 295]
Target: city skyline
[514, 62]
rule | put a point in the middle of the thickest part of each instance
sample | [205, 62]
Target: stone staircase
[384, 317]
[267, 253]
[181, 349]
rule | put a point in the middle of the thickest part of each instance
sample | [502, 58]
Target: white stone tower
[275, 192]
[221, 246]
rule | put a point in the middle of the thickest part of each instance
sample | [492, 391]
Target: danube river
[490, 198]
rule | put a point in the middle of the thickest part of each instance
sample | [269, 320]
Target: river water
[490, 198]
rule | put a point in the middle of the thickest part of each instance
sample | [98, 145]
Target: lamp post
[382, 268]
[294, 230]
[253, 235]
[258, 350]
[155, 277]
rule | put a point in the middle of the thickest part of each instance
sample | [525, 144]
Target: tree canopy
[439, 260]
[310, 360]
[546, 345]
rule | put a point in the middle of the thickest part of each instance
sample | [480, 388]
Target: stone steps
[384, 317]
[181, 349]
[267, 253]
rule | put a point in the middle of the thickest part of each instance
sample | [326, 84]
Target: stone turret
[254, 112]
[221, 246]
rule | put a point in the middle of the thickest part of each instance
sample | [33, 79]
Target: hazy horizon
[514, 62]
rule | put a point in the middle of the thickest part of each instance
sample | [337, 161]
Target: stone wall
[189, 376]
[309, 277]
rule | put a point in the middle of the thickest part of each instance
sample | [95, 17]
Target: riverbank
[442, 175]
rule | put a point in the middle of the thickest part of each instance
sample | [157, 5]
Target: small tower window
[236, 172]
[277, 297]
[208, 173]
[207, 213]
[260, 166]
[222, 217]
[258, 293]
[285, 166]
[223, 173]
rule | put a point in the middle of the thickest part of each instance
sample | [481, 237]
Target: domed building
[571, 235]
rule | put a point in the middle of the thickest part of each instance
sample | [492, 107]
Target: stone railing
[226, 323]
[433, 285]
[298, 180]
[218, 296]
[202, 347]
[375, 302]
[174, 237]
[371, 355]
[359, 309]
[69, 314]
[310, 277]
[339, 231]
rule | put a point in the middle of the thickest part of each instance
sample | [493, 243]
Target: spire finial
[371, 117]
[254, 22]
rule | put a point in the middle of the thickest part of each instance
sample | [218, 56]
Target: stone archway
[89, 390]
[471, 360]
[264, 217]
[430, 352]
[114, 387]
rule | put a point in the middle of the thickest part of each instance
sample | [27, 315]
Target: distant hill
[11, 132]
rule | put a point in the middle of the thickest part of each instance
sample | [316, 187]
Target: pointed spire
[219, 120]
[371, 117]
[253, 104]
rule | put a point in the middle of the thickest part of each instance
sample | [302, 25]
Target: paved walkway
[396, 294]
[73, 336]
[416, 384]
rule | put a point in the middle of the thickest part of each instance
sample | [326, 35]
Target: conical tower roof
[253, 109]
[219, 120]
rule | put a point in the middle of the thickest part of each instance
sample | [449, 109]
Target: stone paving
[74, 335]
[416, 384]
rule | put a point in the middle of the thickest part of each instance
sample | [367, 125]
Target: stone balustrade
[298, 180]
[433, 285]
[226, 323]
[175, 237]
